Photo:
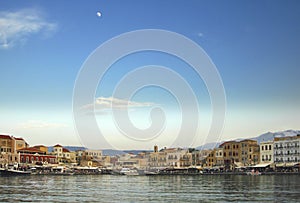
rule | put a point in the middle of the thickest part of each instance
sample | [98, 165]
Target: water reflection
[211, 188]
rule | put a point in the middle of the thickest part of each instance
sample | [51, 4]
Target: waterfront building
[95, 154]
[64, 155]
[266, 152]
[127, 161]
[240, 154]
[157, 159]
[287, 150]
[230, 154]
[219, 159]
[185, 158]
[32, 155]
[198, 157]
[214, 159]
[6, 144]
[209, 161]
[141, 160]
[174, 157]
[8, 149]
[42, 148]
[249, 152]
[20, 143]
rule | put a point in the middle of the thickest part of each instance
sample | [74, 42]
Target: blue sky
[255, 46]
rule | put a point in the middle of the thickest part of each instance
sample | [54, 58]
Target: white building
[96, 154]
[266, 152]
[287, 149]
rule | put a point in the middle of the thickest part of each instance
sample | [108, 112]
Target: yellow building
[42, 148]
[238, 154]
[20, 143]
[249, 152]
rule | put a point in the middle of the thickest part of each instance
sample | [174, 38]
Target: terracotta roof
[19, 138]
[65, 150]
[39, 146]
[248, 140]
[228, 142]
[30, 149]
[5, 137]
[58, 145]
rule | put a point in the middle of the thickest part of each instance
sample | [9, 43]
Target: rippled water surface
[107, 188]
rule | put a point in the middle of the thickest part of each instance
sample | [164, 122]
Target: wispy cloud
[34, 124]
[16, 27]
[200, 34]
[102, 104]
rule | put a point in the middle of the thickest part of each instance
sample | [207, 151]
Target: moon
[99, 14]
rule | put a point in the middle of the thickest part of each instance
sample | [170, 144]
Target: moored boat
[13, 172]
[129, 172]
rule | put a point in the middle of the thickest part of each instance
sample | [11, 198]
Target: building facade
[32, 155]
[266, 152]
[287, 149]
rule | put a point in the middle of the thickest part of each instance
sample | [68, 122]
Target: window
[262, 148]
[270, 157]
[263, 157]
[270, 147]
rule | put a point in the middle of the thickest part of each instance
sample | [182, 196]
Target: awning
[291, 164]
[280, 165]
[262, 165]
[239, 164]
[286, 164]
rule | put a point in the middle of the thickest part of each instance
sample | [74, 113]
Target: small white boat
[150, 173]
[129, 172]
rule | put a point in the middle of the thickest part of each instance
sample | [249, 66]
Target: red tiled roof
[39, 146]
[227, 142]
[5, 137]
[19, 138]
[30, 149]
[58, 145]
[65, 150]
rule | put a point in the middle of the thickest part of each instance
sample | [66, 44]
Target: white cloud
[200, 34]
[16, 27]
[35, 124]
[102, 104]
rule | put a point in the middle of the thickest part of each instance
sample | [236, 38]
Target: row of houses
[230, 155]
[17, 150]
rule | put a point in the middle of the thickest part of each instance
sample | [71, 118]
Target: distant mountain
[135, 152]
[207, 146]
[112, 152]
[269, 136]
[71, 148]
